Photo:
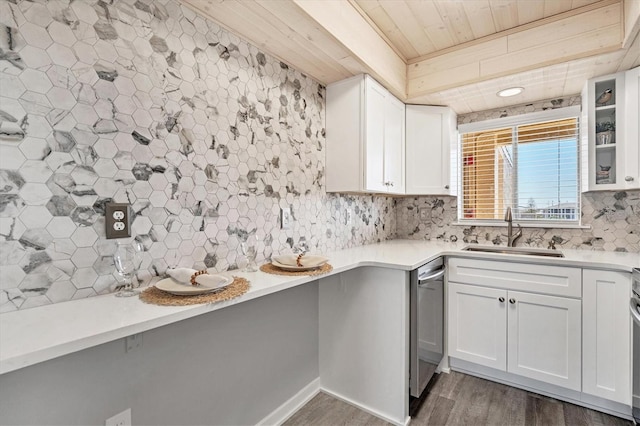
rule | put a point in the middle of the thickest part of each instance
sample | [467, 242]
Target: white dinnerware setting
[189, 282]
[291, 262]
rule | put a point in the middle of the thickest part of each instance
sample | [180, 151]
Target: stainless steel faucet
[511, 239]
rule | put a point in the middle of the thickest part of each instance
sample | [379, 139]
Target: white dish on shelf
[214, 283]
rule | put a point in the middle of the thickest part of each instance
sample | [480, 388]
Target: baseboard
[286, 410]
[366, 408]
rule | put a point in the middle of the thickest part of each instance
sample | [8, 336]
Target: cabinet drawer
[547, 279]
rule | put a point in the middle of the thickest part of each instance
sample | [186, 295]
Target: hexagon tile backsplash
[613, 217]
[144, 102]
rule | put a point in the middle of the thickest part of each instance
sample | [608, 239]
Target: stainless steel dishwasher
[634, 307]
[427, 327]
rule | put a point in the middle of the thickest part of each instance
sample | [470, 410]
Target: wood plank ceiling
[443, 52]
[417, 27]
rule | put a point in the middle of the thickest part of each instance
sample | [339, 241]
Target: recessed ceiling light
[511, 91]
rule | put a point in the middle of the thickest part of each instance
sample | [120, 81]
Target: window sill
[545, 225]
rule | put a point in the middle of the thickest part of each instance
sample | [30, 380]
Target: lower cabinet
[477, 330]
[606, 347]
[544, 338]
[573, 340]
[532, 335]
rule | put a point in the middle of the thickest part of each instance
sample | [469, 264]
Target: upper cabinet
[632, 128]
[431, 150]
[366, 146]
[610, 132]
[365, 138]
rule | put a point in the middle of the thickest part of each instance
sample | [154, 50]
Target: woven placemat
[270, 269]
[155, 296]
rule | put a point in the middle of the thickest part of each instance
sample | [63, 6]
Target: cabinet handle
[512, 301]
[390, 183]
[446, 187]
[501, 299]
[629, 178]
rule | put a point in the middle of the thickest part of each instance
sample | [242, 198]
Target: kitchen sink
[514, 250]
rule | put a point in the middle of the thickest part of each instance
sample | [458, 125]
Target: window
[527, 162]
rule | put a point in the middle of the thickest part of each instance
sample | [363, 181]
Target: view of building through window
[532, 168]
[547, 183]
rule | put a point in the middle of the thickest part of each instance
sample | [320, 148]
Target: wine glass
[250, 251]
[127, 259]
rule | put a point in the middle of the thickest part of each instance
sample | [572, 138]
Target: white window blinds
[530, 166]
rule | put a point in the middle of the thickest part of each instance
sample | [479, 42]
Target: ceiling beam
[580, 33]
[345, 23]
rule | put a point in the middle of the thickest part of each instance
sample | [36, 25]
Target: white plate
[290, 261]
[295, 268]
[171, 286]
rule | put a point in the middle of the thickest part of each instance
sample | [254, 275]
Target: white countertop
[35, 335]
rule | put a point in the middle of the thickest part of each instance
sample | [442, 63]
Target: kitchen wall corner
[147, 103]
[613, 217]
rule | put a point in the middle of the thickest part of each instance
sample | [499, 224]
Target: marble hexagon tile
[147, 103]
[613, 219]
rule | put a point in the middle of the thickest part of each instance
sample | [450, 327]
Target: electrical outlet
[134, 342]
[349, 217]
[120, 419]
[117, 220]
[285, 218]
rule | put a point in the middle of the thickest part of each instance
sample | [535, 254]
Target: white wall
[233, 366]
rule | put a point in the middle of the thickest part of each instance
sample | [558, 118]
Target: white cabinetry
[544, 338]
[394, 146]
[478, 325]
[610, 143]
[365, 138]
[606, 335]
[632, 128]
[431, 150]
[532, 335]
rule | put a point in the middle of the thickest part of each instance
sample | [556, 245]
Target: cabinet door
[606, 335]
[375, 107]
[477, 330]
[605, 166]
[345, 126]
[428, 149]
[394, 145]
[544, 336]
[632, 129]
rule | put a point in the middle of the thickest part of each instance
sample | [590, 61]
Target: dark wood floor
[456, 399]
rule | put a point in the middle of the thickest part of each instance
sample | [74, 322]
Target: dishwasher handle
[634, 308]
[422, 279]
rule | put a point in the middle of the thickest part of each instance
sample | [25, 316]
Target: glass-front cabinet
[607, 139]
